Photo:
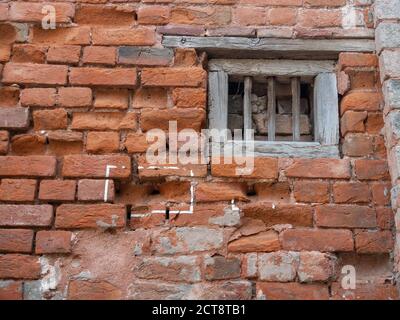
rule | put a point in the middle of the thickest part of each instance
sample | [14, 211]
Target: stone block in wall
[389, 63]
[392, 128]
[387, 9]
[391, 90]
[387, 35]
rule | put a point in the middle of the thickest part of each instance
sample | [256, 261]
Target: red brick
[381, 193]
[26, 215]
[316, 266]
[50, 119]
[351, 192]
[371, 169]
[292, 291]
[153, 15]
[28, 144]
[139, 36]
[4, 135]
[146, 170]
[273, 192]
[360, 101]
[30, 73]
[317, 240]
[136, 142]
[11, 290]
[13, 166]
[311, 191]
[3, 15]
[99, 55]
[32, 12]
[14, 118]
[104, 121]
[155, 98]
[374, 123]
[111, 99]
[64, 54]
[18, 266]
[174, 77]
[16, 240]
[358, 145]
[350, 59]
[28, 53]
[325, 3]
[5, 53]
[17, 190]
[367, 291]
[159, 119]
[248, 16]
[211, 15]
[102, 142]
[74, 97]
[86, 166]
[273, 214]
[264, 168]
[189, 98]
[93, 190]
[385, 218]
[362, 79]
[353, 121]
[100, 14]
[345, 216]
[320, 18]
[282, 16]
[93, 290]
[103, 77]
[38, 97]
[374, 241]
[319, 168]
[53, 242]
[9, 96]
[80, 216]
[219, 268]
[262, 242]
[69, 36]
[57, 190]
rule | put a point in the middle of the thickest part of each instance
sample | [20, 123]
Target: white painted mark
[107, 182]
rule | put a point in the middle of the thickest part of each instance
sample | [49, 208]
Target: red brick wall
[70, 105]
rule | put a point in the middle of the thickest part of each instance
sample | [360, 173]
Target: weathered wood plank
[218, 95]
[247, 112]
[296, 108]
[271, 45]
[263, 67]
[326, 109]
[271, 109]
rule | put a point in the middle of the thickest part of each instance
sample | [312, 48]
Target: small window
[292, 105]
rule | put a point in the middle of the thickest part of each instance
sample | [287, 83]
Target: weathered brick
[81, 216]
[264, 168]
[185, 118]
[345, 216]
[381, 193]
[320, 18]
[351, 192]
[360, 101]
[371, 169]
[50, 119]
[182, 30]
[174, 77]
[316, 266]
[355, 59]
[385, 218]
[27, 144]
[42, 166]
[248, 16]
[25, 215]
[31, 73]
[38, 97]
[220, 191]
[70, 36]
[136, 142]
[74, 97]
[325, 3]
[311, 191]
[367, 291]
[16, 240]
[9, 96]
[18, 190]
[99, 14]
[273, 214]
[104, 121]
[282, 16]
[139, 36]
[68, 54]
[219, 268]
[189, 98]
[145, 56]
[181, 268]
[353, 121]
[111, 99]
[86, 166]
[153, 15]
[374, 241]
[211, 15]
[93, 190]
[374, 123]
[93, 290]
[99, 55]
[319, 168]
[262, 242]
[102, 142]
[278, 192]
[103, 77]
[10, 290]
[317, 240]
[57, 190]
[18, 266]
[14, 118]
[291, 291]
[32, 12]
[278, 266]
[28, 53]
[53, 242]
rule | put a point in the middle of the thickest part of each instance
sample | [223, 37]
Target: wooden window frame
[325, 103]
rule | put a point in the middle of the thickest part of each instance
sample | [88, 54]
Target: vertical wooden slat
[271, 109]
[218, 100]
[296, 108]
[247, 114]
